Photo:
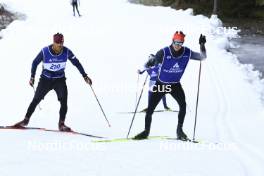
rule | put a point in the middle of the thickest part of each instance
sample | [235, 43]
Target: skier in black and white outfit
[173, 60]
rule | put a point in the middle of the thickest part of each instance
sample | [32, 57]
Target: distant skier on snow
[75, 4]
[152, 70]
[173, 60]
[54, 58]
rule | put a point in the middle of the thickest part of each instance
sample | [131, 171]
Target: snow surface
[112, 40]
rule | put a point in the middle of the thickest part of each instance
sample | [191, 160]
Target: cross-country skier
[152, 70]
[173, 60]
[75, 4]
[54, 58]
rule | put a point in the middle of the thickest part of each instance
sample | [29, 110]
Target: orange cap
[178, 36]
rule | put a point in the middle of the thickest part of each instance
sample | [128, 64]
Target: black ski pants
[44, 86]
[159, 90]
[75, 6]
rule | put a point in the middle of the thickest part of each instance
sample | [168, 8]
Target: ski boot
[144, 110]
[167, 108]
[143, 135]
[63, 127]
[181, 135]
[22, 123]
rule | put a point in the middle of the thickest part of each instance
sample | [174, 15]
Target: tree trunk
[215, 7]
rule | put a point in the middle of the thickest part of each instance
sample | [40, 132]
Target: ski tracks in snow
[249, 157]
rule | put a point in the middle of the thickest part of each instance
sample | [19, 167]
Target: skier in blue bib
[152, 71]
[54, 58]
[173, 60]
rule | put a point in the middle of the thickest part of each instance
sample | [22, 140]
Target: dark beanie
[58, 38]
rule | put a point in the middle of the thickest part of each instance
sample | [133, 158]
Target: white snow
[112, 40]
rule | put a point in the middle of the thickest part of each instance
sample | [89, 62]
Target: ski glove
[87, 80]
[202, 39]
[31, 81]
[140, 72]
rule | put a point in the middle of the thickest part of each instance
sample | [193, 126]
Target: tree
[215, 7]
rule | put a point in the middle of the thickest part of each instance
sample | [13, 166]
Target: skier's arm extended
[141, 71]
[76, 63]
[202, 55]
[35, 64]
[198, 56]
[79, 66]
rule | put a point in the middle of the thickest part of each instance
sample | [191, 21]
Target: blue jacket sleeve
[35, 64]
[76, 63]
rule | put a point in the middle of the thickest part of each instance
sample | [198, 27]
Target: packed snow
[112, 39]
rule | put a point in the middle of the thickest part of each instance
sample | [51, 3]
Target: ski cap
[58, 38]
[178, 37]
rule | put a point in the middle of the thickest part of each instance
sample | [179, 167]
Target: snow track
[112, 40]
[246, 154]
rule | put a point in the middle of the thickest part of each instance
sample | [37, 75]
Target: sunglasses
[177, 43]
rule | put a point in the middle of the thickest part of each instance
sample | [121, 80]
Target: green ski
[130, 139]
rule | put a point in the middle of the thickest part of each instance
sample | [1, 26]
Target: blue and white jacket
[54, 65]
[173, 63]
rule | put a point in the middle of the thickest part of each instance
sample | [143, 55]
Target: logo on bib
[153, 74]
[174, 69]
[176, 66]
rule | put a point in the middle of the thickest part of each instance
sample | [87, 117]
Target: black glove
[31, 81]
[87, 80]
[202, 39]
[151, 56]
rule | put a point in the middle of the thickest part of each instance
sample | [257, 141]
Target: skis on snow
[128, 139]
[149, 138]
[48, 130]
[131, 112]
[103, 139]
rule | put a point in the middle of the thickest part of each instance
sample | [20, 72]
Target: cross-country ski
[129, 87]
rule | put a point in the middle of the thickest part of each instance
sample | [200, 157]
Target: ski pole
[100, 106]
[137, 91]
[137, 106]
[197, 99]
[35, 93]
